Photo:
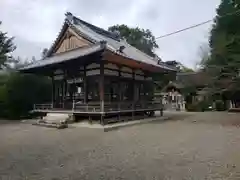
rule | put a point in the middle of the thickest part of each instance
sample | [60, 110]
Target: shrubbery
[219, 105]
[204, 106]
[18, 93]
[199, 106]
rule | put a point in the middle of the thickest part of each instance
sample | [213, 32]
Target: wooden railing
[42, 106]
[108, 106]
[88, 107]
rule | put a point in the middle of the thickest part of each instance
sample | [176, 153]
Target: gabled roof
[113, 42]
[96, 36]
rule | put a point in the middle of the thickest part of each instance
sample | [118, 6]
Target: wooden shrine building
[95, 73]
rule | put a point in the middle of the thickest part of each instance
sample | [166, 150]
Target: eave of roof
[65, 56]
[153, 65]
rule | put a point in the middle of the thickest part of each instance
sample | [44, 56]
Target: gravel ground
[190, 146]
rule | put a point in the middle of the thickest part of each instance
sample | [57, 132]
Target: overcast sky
[36, 23]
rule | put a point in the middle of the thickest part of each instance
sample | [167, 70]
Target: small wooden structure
[95, 73]
[188, 88]
[172, 98]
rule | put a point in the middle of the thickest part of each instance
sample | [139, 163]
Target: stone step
[51, 125]
[56, 118]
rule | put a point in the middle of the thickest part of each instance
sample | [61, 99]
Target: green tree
[6, 48]
[204, 55]
[140, 38]
[224, 62]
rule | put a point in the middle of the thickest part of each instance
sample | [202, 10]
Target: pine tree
[6, 47]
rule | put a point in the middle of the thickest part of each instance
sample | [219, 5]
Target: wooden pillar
[119, 92]
[53, 92]
[119, 88]
[73, 89]
[133, 87]
[101, 90]
[85, 86]
[133, 95]
[64, 91]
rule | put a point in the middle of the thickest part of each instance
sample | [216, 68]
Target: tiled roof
[190, 79]
[193, 79]
[62, 57]
[114, 42]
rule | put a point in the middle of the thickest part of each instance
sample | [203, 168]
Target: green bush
[199, 106]
[219, 104]
[19, 92]
[204, 105]
[191, 108]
